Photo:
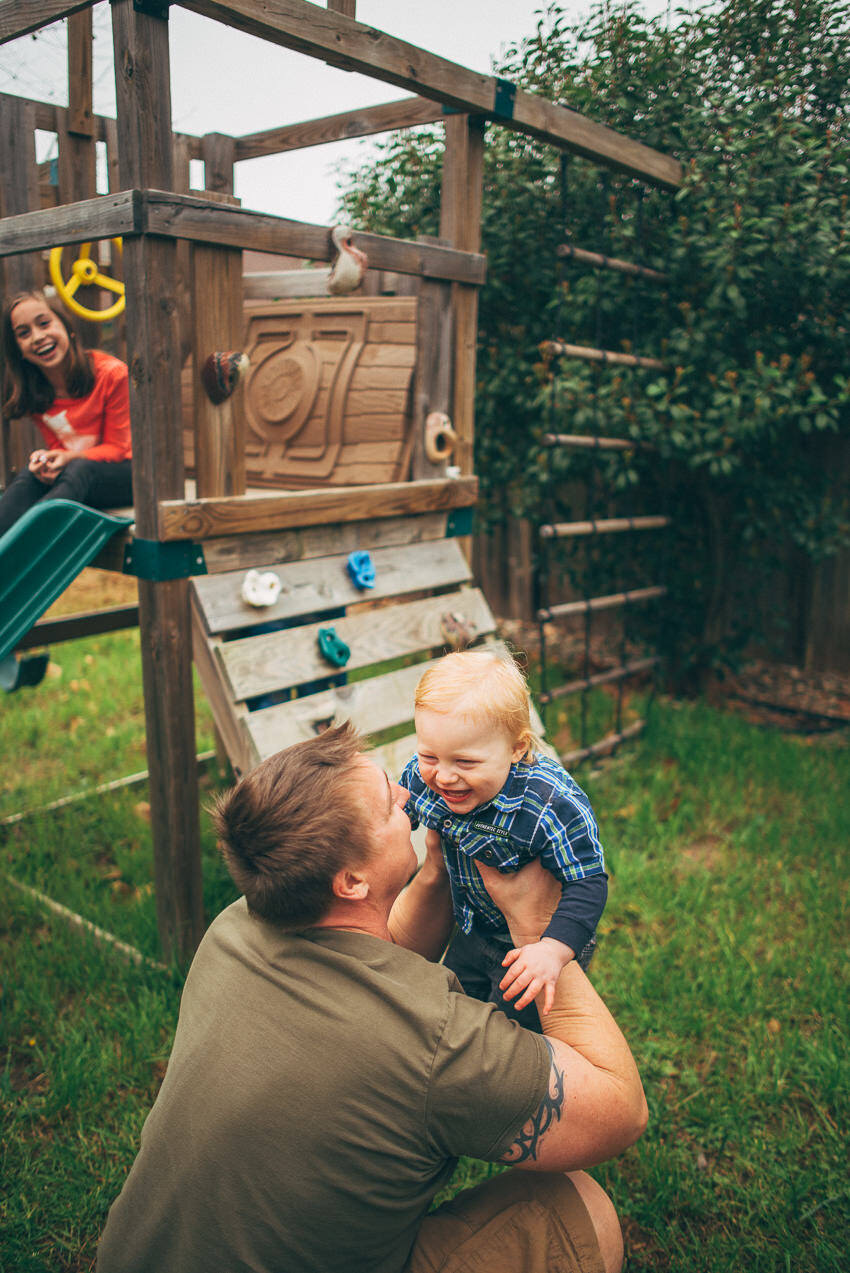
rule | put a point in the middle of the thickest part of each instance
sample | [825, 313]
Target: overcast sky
[223, 81]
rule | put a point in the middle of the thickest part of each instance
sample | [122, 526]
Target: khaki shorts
[518, 1222]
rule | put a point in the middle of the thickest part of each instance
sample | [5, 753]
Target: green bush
[754, 99]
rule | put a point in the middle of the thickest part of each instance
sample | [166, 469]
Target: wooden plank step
[374, 705]
[310, 587]
[278, 660]
[266, 549]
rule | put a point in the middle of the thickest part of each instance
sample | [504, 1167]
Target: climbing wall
[264, 673]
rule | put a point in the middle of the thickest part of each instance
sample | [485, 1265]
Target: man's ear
[350, 885]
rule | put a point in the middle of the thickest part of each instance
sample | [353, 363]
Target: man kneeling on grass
[327, 1071]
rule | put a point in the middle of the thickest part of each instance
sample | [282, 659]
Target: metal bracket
[459, 522]
[503, 99]
[155, 559]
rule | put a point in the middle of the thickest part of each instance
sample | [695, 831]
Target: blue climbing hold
[362, 570]
[333, 648]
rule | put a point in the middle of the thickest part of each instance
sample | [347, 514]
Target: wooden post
[18, 193]
[145, 153]
[219, 152]
[218, 325]
[77, 154]
[460, 226]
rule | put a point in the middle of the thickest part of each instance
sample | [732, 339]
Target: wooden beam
[613, 600]
[71, 626]
[348, 7]
[594, 442]
[352, 46]
[601, 262]
[173, 216]
[609, 357]
[602, 526]
[146, 158]
[603, 747]
[106, 217]
[205, 221]
[49, 117]
[406, 113]
[20, 17]
[208, 518]
[600, 678]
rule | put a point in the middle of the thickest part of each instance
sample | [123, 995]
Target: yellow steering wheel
[85, 273]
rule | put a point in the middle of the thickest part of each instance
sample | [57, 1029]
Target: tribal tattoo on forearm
[549, 1111]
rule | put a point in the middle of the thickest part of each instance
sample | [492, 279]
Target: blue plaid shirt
[540, 812]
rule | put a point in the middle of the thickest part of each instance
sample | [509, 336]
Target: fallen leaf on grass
[773, 1026]
[142, 809]
[54, 672]
[124, 891]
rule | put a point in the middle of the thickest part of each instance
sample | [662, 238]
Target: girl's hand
[55, 461]
[36, 464]
[534, 968]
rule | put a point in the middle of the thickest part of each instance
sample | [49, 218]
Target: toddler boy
[477, 782]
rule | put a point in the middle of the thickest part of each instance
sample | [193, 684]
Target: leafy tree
[754, 97]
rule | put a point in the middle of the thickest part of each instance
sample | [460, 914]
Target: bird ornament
[350, 265]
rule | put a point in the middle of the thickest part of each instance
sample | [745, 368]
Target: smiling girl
[79, 401]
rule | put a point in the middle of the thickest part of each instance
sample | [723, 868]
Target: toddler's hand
[533, 967]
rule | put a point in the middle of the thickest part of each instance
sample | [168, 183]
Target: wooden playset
[338, 440]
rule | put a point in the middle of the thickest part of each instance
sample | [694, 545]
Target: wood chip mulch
[787, 697]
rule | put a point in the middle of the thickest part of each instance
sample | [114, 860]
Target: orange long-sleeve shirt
[97, 426]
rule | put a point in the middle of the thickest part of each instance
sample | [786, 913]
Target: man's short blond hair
[485, 686]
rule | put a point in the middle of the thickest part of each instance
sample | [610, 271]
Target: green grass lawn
[722, 954]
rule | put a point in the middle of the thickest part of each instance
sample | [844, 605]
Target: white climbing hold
[260, 590]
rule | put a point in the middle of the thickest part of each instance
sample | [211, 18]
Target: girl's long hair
[26, 389]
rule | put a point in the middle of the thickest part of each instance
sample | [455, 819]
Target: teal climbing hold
[333, 648]
[362, 570]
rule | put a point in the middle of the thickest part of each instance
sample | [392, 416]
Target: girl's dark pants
[96, 483]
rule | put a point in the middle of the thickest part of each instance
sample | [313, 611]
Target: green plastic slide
[41, 554]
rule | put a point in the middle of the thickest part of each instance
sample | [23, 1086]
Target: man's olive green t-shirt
[320, 1087]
